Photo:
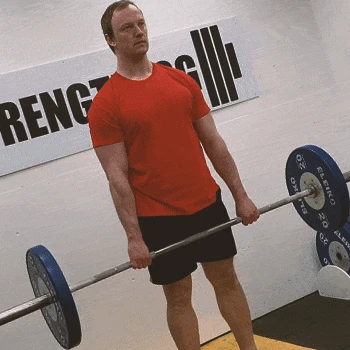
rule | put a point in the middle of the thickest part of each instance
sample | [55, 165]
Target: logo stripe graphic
[220, 49]
[197, 42]
[214, 64]
[231, 53]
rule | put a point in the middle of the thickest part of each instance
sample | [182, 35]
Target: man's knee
[221, 275]
[179, 294]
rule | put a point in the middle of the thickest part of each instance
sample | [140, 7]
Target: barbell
[317, 188]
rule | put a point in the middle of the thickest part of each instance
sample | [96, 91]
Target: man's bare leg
[231, 301]
[182, 320]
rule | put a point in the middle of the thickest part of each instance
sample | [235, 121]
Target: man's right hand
[139, 254]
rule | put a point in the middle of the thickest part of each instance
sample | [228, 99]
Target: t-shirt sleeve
[200, 107]
[104, 127]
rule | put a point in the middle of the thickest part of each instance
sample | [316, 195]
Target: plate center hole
[339, 256]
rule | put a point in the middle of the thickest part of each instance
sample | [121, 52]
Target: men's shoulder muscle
[102, 118]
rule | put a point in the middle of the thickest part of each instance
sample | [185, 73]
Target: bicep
[206, 130]
[113, 159]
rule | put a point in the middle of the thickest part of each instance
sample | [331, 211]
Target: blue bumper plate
[334, 248]
[61, 316]
[310, 166]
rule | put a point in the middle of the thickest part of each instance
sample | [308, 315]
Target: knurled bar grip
[45, 300]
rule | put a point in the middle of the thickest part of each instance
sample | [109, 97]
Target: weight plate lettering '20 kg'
[317, 189]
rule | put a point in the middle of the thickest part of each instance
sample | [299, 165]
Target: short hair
[106, 20]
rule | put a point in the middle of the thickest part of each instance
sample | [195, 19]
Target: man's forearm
[226, 167]
[124, 202]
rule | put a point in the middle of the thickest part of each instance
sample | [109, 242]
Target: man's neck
[135, 69]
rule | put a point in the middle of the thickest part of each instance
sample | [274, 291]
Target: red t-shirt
[154, 118]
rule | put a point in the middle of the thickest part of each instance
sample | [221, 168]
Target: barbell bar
[317, 189]
[45, 300]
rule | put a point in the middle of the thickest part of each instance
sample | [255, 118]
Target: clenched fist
[139, 254]
[247, 210]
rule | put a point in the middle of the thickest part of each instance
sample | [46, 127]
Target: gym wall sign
[43, 109]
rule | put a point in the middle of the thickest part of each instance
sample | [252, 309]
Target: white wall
[300, 50]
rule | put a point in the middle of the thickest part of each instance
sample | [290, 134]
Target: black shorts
[161, 231]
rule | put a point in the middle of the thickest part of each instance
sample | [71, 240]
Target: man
[148, 125]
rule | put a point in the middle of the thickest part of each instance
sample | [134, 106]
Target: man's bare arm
[113, 159]
[219, 155]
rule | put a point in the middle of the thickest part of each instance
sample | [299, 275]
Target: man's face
[130, 32]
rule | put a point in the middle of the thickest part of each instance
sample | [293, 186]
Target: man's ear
[110, 41]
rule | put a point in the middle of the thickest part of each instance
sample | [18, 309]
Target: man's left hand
[246, 209]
